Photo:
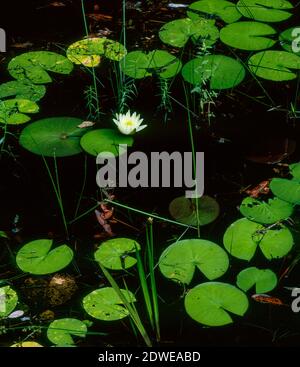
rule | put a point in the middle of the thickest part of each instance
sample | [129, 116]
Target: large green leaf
[242, 238]
[8, 300]
[287, 38]
[105, 304]
[22, 89]
[34, 66]
[251, 36]
[184, 210]
[275, 65]
[223, 72]
[295, 170]
[115, 253]
[265, 10]
[225, 10]
[12, 111]
[104, 140]
[266, 212]
[177, 32]
[288, 190]
[212, 303]
[138, 64]
[60, 331]
[179, 260]
[264, 280]
[54, 136]
[36, 257]
[88, 51]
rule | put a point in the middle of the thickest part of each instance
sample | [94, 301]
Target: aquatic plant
[129, 124]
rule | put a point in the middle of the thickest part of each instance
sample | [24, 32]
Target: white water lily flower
[129, 124]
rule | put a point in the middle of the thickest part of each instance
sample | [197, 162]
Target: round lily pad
[60, 331]
[287, 190]
[242, 238]
[138, 64]
[212, 303]
[34, 66]
[179, 260]
[264, 212]
[36, 257]
[14, 111]
[114, 254]
[54, 136]
[265, 10]
[105, 304]
[88, 52]
[104, 140]
[22, 89]
[177, 32]
[8, 300]
[264, 280]
[225, 10]
[289, 40]
[250, 36]
[184, 210]
[275, 65]
[224, 72]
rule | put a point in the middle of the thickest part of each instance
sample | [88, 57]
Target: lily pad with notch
[36, 257]
[287, 190]
[61, 331]
[104, 140]
[105, 304]
[54, 136]
[14, 111]
[138, 64]
[179, 261]
[250, 36]
[184, 210]
[116, 254]
[243, 236]
[8, 300]
[272, 211]
[222, 71]
[264, 280]
[212, 303]
[22, 89]
[265, 10]
[34, 66]
[225, 10]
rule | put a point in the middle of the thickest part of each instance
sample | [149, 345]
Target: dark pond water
[249, 129]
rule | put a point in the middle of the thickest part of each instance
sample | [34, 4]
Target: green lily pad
[22, 89]
[265, 10]
[105, 304]
[224, 72]
[36, 257]
[35, 65]
[184, 210]
[295, 170]
[12, 111]
[104, 140]
[225, 10]
[54, 136]
[275, 65]
[179, 260]
[8, 300]
[287, 38]
[242, 238]
[250, 36]
[177, 32]
[264, 212]
[264, 280]
[288, 190]
[60, 331]
[88, 52]
[114, 254]
[138, 64]
[212, 303]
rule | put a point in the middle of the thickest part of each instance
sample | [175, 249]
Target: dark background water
[25, 188]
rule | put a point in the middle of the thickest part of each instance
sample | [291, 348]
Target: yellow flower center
[129, 123]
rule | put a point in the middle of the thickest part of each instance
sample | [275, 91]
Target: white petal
[139, 128]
